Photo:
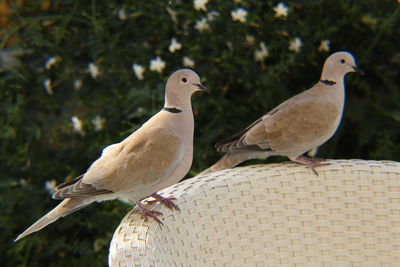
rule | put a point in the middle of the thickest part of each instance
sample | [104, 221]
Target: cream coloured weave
[272, 215]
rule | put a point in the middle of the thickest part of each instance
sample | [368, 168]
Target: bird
[297, 125]
[155, 156]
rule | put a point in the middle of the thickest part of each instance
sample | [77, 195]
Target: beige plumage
[157, 155]
[296, 126]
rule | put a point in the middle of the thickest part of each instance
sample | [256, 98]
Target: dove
[296, 126]
[157, 155]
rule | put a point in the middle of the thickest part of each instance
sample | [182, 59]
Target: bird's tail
[65, 208]
[229, 160]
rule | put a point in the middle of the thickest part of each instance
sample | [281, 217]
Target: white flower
[200, 4]
[48, 86]
[188, 62]
[295, 45]
[250, 39]
[77, 126]
[51, 61]
[78, 84]
[281, 10]
[262, 53]
[174, 46]
[212, 15]
[324, 46]
[202, 25]
[93, 70]
[139, 71]
[23, 182]
[239, 14]
[122, 15]
[172, 13]
[98, 123]
[50, 186]
[10, 58]
[229, 45]
[157, 65]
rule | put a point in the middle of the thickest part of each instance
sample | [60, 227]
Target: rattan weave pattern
[272, 215]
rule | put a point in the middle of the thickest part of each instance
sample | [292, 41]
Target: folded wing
[144, 158]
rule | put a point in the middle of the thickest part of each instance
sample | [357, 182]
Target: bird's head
[181, 85]
[185, 80]
[339, 64]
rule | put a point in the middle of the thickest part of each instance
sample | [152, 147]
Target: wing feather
[144, 158]
[291, 126]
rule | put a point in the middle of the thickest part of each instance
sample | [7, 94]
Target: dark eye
[184, 80]
[342, 61]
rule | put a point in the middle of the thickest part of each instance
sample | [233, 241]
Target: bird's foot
[310, 162]
[146, 213]
[166, 201]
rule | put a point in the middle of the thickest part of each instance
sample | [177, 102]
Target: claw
[166, 201]
[310, 162]
[146, 213]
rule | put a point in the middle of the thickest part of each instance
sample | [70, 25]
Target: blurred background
[76, 76]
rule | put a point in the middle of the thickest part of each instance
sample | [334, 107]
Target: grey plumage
[155, 156]
[296, 126]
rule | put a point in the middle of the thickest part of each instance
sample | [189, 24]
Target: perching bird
[157, 155]
[296, 126]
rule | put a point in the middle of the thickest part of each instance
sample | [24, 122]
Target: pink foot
[310, 162]
[146, 213]
[166, 201]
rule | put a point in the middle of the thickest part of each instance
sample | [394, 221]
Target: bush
[49, 83]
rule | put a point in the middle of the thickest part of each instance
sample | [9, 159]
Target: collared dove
[157, 155]
[296, 126]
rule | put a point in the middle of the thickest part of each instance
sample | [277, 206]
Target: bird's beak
[202, 88]
[358, 70]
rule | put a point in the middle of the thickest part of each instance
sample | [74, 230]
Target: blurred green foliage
[37, 140]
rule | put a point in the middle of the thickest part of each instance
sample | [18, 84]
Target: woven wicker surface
[272, 215]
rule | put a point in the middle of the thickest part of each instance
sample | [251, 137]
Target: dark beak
[202, 88]
[358, 70]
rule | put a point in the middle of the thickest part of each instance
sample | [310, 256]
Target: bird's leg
[147, 213]
[310, 162]
[166, 201]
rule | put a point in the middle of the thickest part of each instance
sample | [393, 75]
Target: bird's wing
[293, 125]
[144, 158]
[301, 125]
[256, 130]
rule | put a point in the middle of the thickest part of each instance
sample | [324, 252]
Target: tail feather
[229, 160]
[65, 208]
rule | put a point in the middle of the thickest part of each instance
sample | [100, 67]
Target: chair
[272, 215]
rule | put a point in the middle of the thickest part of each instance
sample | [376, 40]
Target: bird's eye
[184, 80]
[342, 61]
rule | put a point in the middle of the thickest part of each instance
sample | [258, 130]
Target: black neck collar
[328, 82]
[172, 110]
